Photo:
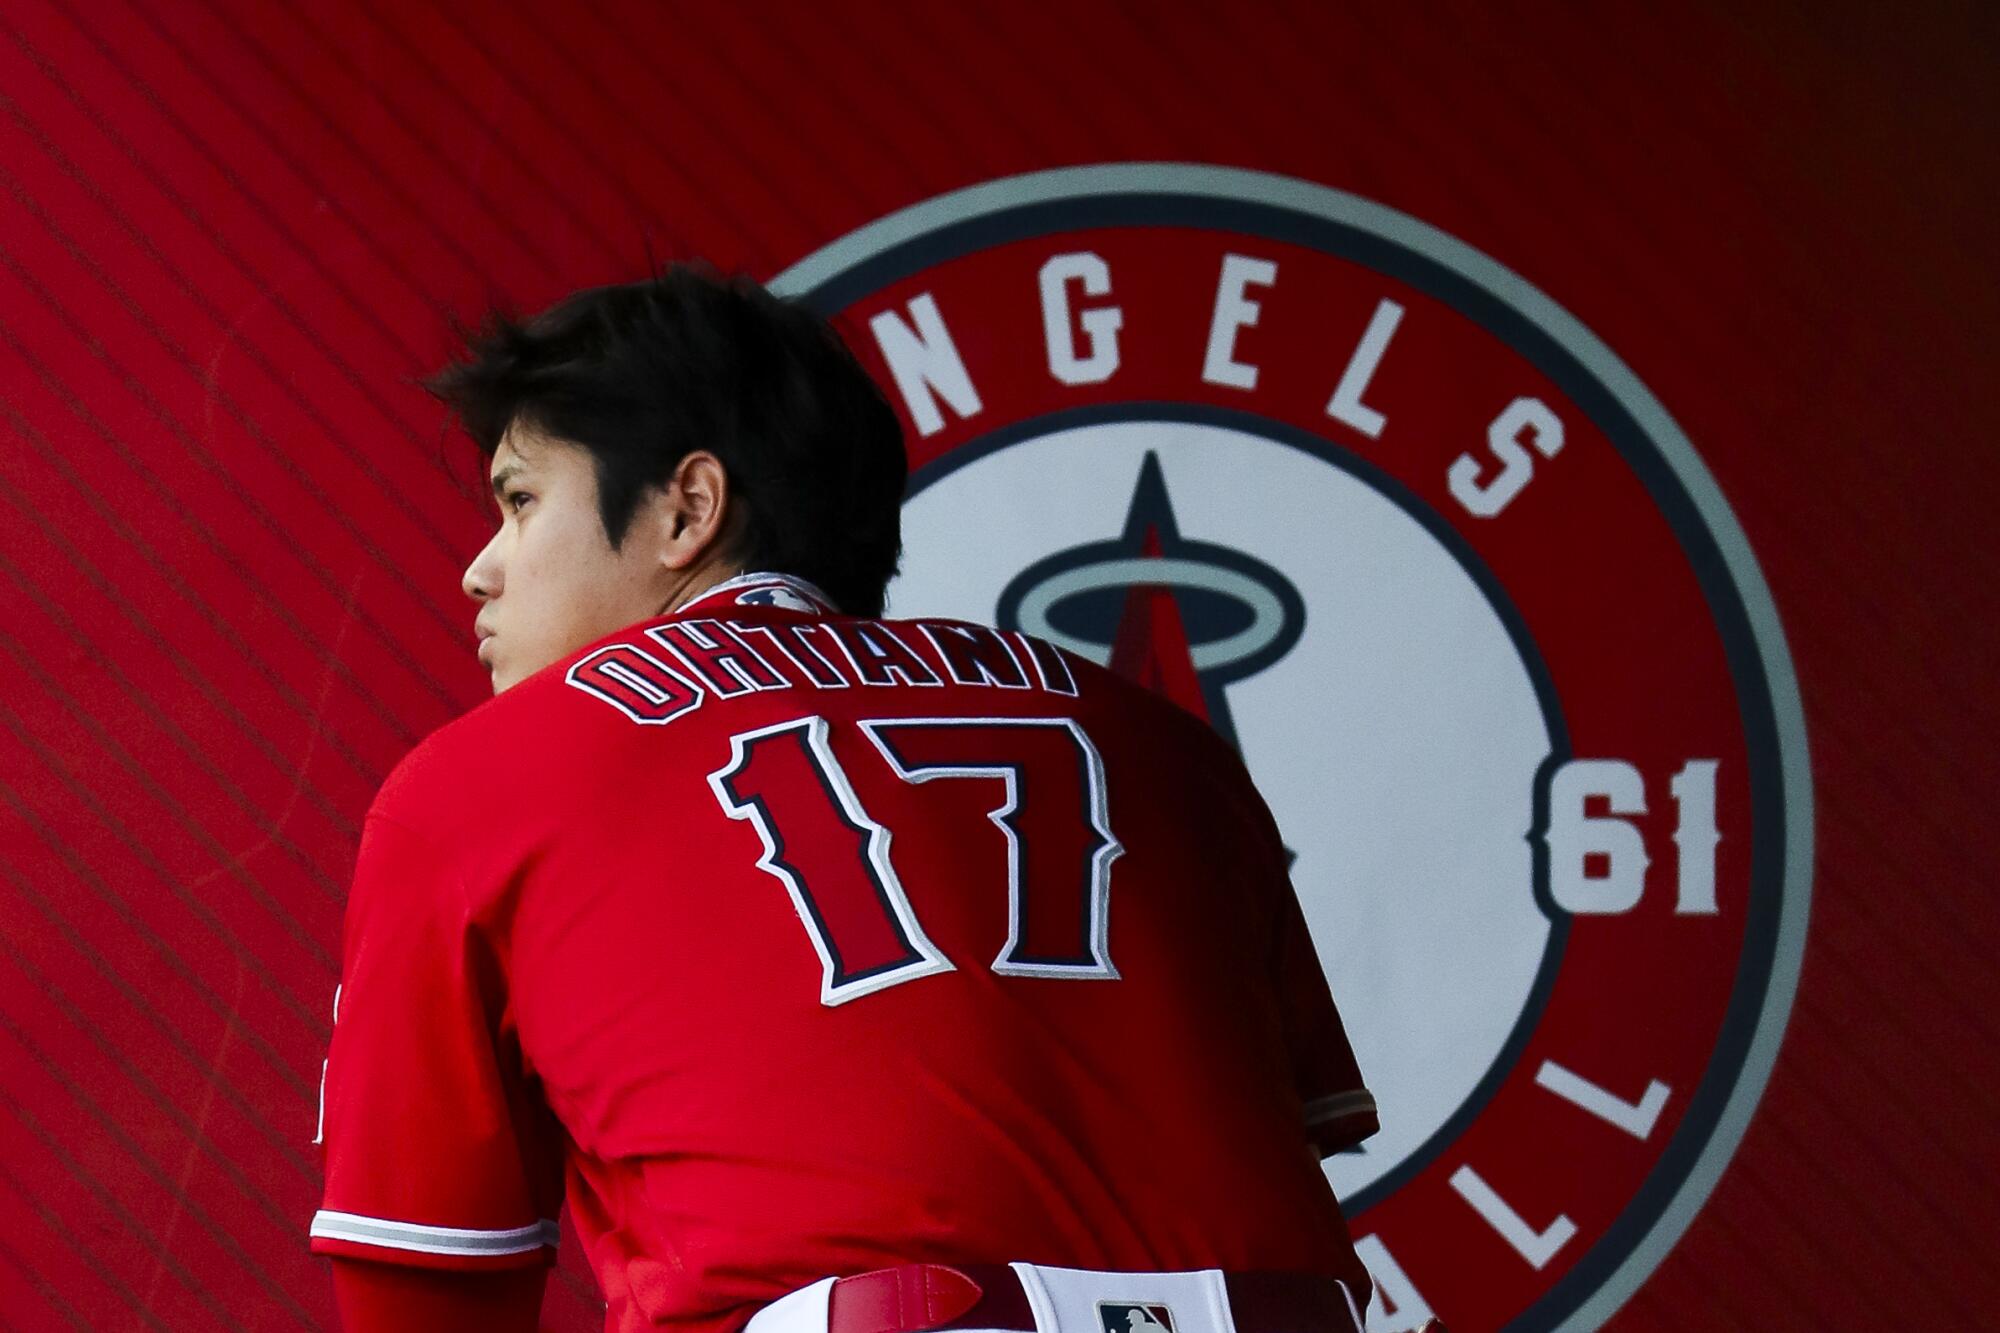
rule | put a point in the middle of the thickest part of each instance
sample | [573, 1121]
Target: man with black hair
[789, 944]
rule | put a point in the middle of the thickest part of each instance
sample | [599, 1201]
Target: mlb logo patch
[783, 598]
[1116, 1317]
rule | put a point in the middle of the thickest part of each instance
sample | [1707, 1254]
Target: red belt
[923, 1298]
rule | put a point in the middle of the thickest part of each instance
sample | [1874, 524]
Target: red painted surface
[231, 234]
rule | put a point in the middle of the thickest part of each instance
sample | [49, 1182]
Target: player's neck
[697, 582]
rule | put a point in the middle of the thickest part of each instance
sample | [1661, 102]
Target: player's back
[835, 943]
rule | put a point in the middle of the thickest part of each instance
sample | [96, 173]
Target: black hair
[642, 374]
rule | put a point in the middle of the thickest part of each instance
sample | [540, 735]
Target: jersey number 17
[832, 856]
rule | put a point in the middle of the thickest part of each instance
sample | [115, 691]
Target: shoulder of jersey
[1103, 688]
[496, 742]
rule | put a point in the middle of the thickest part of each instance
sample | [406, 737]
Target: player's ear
[694, 509]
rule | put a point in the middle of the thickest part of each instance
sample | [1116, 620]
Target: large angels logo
[1479, 623]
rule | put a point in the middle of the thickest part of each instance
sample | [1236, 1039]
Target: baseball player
[785, 943]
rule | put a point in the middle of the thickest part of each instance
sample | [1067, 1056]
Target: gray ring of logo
[1266, 626]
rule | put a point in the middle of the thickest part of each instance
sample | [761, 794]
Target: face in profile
[549, 582]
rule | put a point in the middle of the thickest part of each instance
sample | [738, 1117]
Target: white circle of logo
[1420, 746]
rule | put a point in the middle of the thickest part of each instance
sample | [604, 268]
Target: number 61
[1574, 839]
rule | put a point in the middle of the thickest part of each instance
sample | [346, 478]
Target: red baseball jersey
[782, 944]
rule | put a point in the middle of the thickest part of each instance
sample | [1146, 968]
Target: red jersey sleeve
[1339, 1109]
[379, 1298]
[438, 1152]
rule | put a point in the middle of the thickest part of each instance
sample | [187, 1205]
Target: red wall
[232, 532]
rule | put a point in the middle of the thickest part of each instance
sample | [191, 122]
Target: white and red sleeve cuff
[1341, 1120]
[356, 1236]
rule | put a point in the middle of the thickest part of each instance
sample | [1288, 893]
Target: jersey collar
[760, 588]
